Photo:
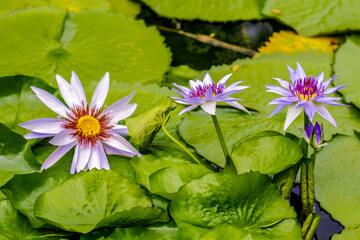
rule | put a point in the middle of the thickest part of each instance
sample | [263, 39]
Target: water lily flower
[314, 135]
[87, 127]
[206, 93]
[304, 93]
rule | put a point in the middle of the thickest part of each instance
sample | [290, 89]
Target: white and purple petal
[77, 86]
[44, 125]
[291, 115]
[100, 93]
[209, 107]
[68, 93]
[83, 157]
[56, 155]
[320, 108]
[63, 138]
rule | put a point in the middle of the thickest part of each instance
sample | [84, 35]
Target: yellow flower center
[88, 126]
[306, 94]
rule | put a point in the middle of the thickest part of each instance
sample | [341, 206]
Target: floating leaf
[311, 18]
[15, 226]
[125, 7]
[19, 104]
[266, 152]
[149, 163]
[158, 232]
[15, 155]
[95, 199]
[347, 61]
[336, 171]
[208, 10]
[167, 181]
[180, 75]
[249, 202]
[347, 234]
[24, 189]
[90, 43]
[144, 127]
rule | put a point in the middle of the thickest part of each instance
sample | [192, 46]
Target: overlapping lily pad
[95, 199]
[158, 232]
[248, 205]
[347, 60]
[147, 164]
[208, 10]
[336, 171]
[267, 152]
[90, 43]
[125, 7]
[167, 181]
[15, 155]
[311, 18]
[19, 104]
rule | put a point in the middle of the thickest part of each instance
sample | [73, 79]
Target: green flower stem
[311, 182]
[304, 176]
[229, 165]
[314, 224]
[179, 144]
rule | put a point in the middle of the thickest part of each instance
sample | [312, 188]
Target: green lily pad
[144, 127]
[95, 199]
[15, 155]
[159, 232]
[336, 171]
[249, 202]
[347, 60]
[347, 234]
[180, 75]
[15, 226]
[208, 10]
[19, 104]
[198, 129]
[89, 43]
[24, 189]
[311, 18]
[125, 7]
[267, 152]
[286, 229]
[149, 163]
[167, 181]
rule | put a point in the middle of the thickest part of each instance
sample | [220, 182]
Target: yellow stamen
[88, 126]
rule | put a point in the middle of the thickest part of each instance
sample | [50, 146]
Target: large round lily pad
[208, 10]
[347, 234]
[314, 17]
[249, 203]
[89, 43]
[347, 60]
[336, 178]
[267, 152]
[95, 199]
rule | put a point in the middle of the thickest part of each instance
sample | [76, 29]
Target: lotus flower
[89, 128]
[304, 93]
[314, 135]
[206, 93]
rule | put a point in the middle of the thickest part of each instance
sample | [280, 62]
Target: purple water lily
[89, 128]
[313, 135]
[206, 93]
[308, 93]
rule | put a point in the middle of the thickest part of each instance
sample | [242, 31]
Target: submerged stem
[229, 165]
[179, 144]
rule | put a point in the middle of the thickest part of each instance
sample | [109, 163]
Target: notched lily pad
[167, 181]
[267, 152]
[95, 199]
[249, 202]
